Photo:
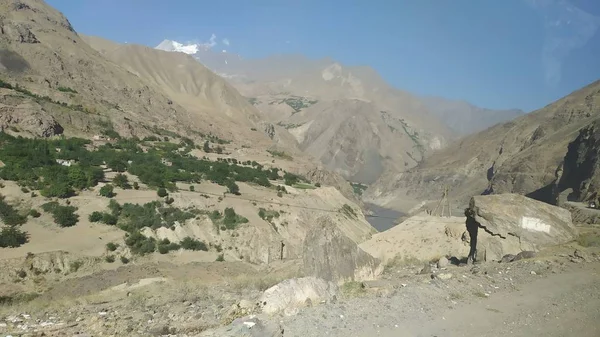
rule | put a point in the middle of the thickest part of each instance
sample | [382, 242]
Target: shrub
[111, 246]
[34, 213]
[318, 185]
[124, 260]
[64, 216]
[75, 265]
[110, 258]
[58, 190]
[279, 194]
[232, 187]
[192, 188]
[169, 201]
[24, 190]
[109, 219]
[9, 215]
[220, 258]
[95, 217]
[12, 237]
[136, 186]
[163, 249]
[107, 191]
[139, 244]
[162, 192]
[193, 244]
[120, 180]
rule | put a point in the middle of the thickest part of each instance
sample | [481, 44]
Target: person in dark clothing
[472, 228]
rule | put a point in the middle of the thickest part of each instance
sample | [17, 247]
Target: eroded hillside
[523, 156]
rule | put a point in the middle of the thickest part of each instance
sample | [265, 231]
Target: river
[382, 219]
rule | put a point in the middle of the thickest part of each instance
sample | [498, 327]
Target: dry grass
[398, 261]
[353, 289]
[260, 282]
[589, 239]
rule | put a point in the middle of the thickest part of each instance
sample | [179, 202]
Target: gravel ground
[557, 294]
[527, 298]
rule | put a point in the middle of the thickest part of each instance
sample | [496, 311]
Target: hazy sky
[495, 54]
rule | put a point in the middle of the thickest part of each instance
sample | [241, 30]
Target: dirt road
[562, 304]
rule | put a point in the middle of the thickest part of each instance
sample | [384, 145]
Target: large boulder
[329, 254]
[291, 294]
[511, 223]
[421, 237]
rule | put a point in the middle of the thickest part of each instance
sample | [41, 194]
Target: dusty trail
[563, 304]
[560, 305]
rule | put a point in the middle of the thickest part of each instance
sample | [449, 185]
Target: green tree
[136, 186]
[65, 216]
[162, 192]
[58, 190]
[95, 217]
[232, 187]
[120, 180]
[107, 191]
[206, 147]
[12, 237]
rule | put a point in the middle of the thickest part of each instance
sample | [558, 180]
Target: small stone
[443, 262]
[426, 269]
[444, 276]
[533, 273]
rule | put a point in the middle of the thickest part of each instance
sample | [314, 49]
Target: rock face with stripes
[512, 223]
[332, 256]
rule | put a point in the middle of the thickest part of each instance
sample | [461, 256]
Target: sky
[495, 54]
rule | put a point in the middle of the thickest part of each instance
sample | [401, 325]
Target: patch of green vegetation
[414, 136]
[358, 188]
[304, 186]
[107, 191]
[220, 258]
[63, 216]
[253, 100]
[111, 246]
[268, 215]
[12, 237]
[298, 103]
[349, 211]
[19, 298]
[67, 89]
[228, 220]
[289, 126]
[280, 154]
[40, 99]
[75, 265]
[10, 215]
[353, 289]
[109, 258]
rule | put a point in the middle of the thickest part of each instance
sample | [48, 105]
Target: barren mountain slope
[40, 51]
[520, 156]
[329, 93]
[465, 118]
[206, 96]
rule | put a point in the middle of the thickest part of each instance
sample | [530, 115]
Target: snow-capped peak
[168, 45]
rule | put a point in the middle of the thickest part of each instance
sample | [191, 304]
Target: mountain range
[348, 117]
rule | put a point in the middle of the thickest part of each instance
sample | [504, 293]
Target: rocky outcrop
[581, 167]
[29, 117]
[291, 294]
[332, 256]
[520, 156]
[509, 224]
[421, 237]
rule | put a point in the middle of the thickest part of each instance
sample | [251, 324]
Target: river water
[382, 219]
